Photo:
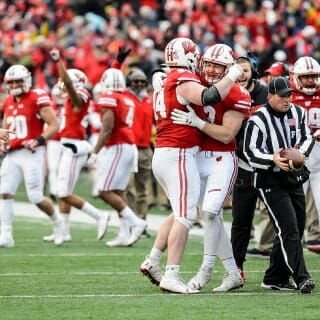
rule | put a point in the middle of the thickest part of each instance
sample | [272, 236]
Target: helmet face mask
[18, 73]
[306, 75]
[78, 78]
[113, 80]
[182, 52]
[58, 94]
[215, 63]
[97, 90]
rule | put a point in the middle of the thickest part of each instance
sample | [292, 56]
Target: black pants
[287, 211]
[244, 200]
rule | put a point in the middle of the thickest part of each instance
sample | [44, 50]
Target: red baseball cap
[276, 69]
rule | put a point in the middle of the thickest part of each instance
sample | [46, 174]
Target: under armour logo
[268, 190]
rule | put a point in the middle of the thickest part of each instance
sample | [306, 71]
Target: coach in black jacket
[276, 126]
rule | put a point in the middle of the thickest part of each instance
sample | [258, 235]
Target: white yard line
[157, 295]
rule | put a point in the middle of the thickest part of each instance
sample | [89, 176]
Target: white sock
[155, 254]
[211, 235]
[124, 230]
[172, 270]
[65, 222]
[208, 261]
[6, 215]
[91, 211]
[225, 252]
[130, 216]
[54, 217]
[230, 265]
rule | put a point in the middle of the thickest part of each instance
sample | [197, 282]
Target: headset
[253, 60]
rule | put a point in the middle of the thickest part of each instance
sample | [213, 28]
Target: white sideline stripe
[114, 254]
[85, 296]
[22, 274]
[25, 209]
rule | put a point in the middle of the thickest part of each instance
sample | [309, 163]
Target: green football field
[85, 279]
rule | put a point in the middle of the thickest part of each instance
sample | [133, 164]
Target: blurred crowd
[89, 33]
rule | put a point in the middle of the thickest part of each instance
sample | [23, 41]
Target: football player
[29, 113]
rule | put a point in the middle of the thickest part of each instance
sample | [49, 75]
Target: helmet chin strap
[16, 91]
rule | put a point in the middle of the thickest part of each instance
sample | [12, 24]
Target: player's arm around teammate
[217, 164]
[176, 148]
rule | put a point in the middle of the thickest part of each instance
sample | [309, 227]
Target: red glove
[32, 144]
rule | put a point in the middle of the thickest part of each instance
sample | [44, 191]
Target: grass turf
[86, 280]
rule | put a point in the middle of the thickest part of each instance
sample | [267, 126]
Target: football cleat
[242, 274]
[119, 241]
[313, 248]
[174, 284]
[6, 241]
[152, 270]
[102, 225]
[136, 232]
[200, 279]
[50, 238]
[231, 281]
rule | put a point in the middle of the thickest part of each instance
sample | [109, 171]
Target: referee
[277, 125]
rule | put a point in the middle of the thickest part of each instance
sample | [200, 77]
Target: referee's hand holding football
[280, 162]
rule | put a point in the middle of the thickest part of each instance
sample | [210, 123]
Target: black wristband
[41, 140]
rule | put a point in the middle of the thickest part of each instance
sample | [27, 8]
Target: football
[295, 158]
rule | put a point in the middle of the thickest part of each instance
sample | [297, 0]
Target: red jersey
[123, 108]
[165, 100]
[23, 116]
[57, 110]
[238, 99]
[94, 118]
[74, 123]
[309, 102]
[143, 120]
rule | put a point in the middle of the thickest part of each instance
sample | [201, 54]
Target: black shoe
[288, 286]
[257, 253]
[307, 286]
[197, 224]
[145, 234]
[312, 243]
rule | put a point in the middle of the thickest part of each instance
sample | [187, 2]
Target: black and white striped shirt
[267, 131]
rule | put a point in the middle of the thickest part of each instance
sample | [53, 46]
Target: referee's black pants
[244, 201]
[287, 211]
